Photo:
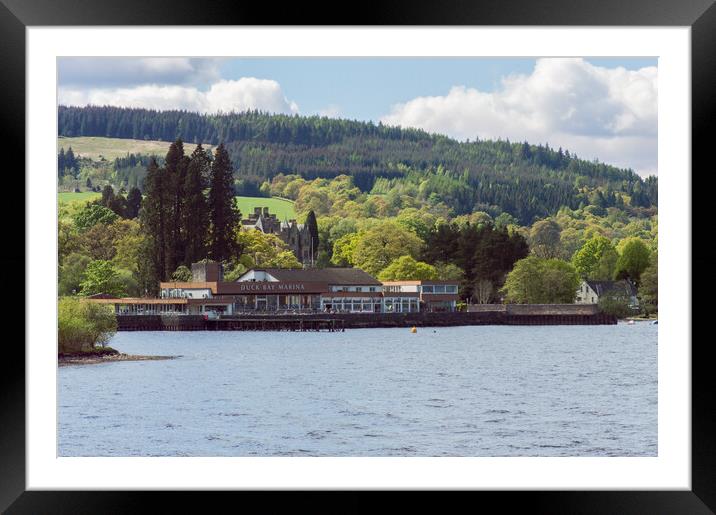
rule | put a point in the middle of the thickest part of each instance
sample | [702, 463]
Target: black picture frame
[16, 15]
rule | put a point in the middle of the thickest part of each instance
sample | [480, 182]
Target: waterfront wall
[536, 309]
[339, 321]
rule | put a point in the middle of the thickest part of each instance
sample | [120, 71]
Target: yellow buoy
[414, 330]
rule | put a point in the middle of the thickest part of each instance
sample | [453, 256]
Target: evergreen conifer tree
[224, 214]
[153, 217]
[134, 202]
[195, 215]
[312, 226]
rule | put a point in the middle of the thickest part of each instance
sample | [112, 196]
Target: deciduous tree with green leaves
[406, 268]
[634, 258]
[93, 214]
[382, 244]
[596, 259]
[101, 277]
[264, 250]
[81, 325]
[545, 239]
[535, 280]
[344, 249]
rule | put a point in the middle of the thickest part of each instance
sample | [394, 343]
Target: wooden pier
[199, 323]
[275, 324]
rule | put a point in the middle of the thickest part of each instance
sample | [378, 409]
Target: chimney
[207, 272]
[266, 212]
[257, 211]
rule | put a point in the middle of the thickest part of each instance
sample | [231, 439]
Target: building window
[428, 288]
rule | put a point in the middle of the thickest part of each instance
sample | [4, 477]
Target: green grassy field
[110, 148]
[70, 197]
[280, 207]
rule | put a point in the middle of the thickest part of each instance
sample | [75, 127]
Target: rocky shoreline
[106, 355]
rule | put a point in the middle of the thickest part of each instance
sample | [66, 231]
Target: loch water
[455, 391]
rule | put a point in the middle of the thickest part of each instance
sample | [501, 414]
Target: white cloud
[609, 114]
[223, 96]
[104, 72]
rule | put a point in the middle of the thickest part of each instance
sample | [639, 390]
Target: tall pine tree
[312, 226]
[224, 215]
[175, 172]
[154, 222]
[134, 202]
[195, 213]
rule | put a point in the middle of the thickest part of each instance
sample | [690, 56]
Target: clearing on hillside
[66, 196]
[111, 148]
[282, 208]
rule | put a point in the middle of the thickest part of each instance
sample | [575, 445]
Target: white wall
[257, 275]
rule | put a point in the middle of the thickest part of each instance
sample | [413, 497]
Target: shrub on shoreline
[82, 325]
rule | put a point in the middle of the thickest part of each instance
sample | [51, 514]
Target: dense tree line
[527, 181]
[67, 163]
[188, 212]
[485, 253]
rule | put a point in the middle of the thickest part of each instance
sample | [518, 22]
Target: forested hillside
[526, 181]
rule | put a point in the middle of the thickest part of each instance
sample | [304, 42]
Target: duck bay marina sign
[269, 287]
[277, 287]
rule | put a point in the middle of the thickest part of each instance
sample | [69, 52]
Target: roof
[612, 288]
[345, 276]
[421, 282]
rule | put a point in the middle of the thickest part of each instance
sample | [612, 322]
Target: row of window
[356, 288]
[439, 288]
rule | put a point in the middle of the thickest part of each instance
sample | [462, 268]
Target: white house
[590, 292]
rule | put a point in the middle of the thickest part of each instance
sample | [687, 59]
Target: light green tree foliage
[344, 249]
[544, 239]
[102, 277]
[649, 288]
[93, 214]
[71, 274]
[383, 243]
[67, 239]
[265, 189]
[264, 250]
[476, 218]
[182, 274]
[100, 240]
[505, 220]
[286, 186]
[81, 325]
[421, 222]
[128, 246]
[405, 268]
[535, 280]
[596, 260]
[634, 258]
[234, 270]
[128, 283]
[449, 272]
[330, 229]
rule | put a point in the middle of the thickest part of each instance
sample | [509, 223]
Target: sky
[598, 108]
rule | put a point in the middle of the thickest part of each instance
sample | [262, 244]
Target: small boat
[655, 322]
[631, 322]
